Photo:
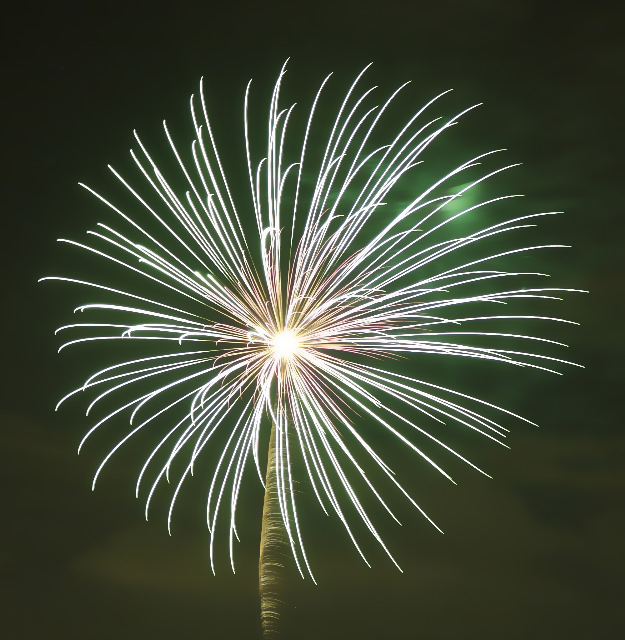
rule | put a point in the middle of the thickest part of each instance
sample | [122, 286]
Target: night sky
[536, 552]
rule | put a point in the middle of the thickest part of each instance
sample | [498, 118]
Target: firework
[291, 308]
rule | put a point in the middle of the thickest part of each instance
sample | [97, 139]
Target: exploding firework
[297, 324]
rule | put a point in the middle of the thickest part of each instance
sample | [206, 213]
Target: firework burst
[296, 323]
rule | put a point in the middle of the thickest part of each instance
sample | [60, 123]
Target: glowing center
[285, 344]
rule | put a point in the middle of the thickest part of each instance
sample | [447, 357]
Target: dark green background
[534, 553]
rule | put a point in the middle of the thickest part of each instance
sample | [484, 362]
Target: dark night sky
[535, 553]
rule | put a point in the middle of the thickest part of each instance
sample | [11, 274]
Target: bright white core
[285, 344]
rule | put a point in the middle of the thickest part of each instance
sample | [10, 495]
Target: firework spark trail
[295, 344]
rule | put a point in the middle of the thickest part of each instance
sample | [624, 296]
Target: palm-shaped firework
[288, 333]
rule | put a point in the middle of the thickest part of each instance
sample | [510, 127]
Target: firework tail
[271, 548]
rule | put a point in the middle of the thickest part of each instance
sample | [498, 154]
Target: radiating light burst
[300, 319]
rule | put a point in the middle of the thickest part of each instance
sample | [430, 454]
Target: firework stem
[271, 542]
